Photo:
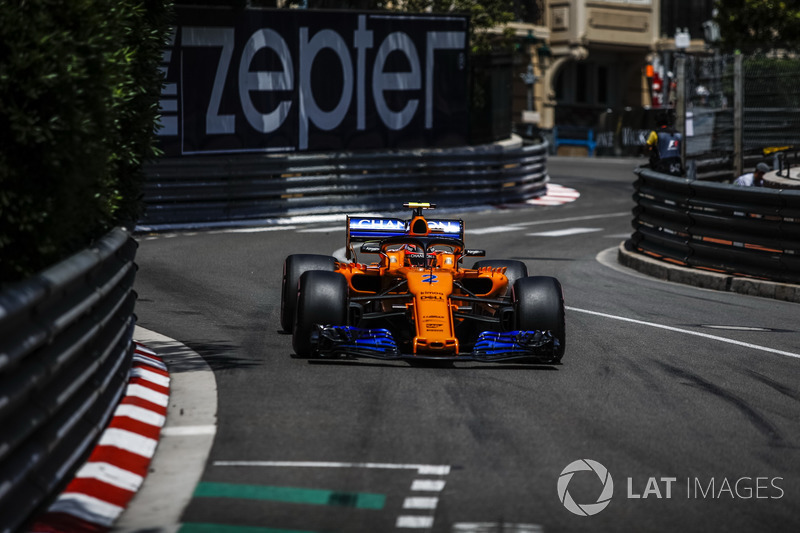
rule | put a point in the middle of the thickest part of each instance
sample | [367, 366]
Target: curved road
[689, 398]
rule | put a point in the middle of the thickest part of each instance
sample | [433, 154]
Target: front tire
[321, 299]
[293, 267]
[539, 305]
[514, 269]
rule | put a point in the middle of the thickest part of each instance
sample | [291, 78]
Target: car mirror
[370, 248]
[475, 253]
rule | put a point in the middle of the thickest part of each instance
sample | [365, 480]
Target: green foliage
[79, 88]
[758, 25]
[483, 14]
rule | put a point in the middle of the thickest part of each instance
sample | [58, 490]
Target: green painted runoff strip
[223, 528]
[359, 500]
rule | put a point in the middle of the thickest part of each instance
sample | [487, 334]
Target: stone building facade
[591, 56]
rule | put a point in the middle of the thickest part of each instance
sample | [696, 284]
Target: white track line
[414, 522]
[686, 331]
[564, 232]
[420, 503]
[576, 219]
[428, 485]
[434, 470]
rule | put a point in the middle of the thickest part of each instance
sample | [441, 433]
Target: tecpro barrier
[749, 231]
[202, 190]
[65, 355]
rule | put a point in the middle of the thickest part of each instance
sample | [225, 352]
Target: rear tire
[321, 299]
[539, 305]
[293, 267]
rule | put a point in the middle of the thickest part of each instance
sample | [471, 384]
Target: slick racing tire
[321, 299]
[539, 305]
[293, 267]
[514, 269]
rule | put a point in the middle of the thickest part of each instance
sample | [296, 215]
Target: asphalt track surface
[689, 398]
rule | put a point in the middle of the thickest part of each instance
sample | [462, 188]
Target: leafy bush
[79, 89]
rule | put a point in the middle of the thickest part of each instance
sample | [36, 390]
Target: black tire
[539, 304]
[321, 299]
[293, 267]
[514, 269]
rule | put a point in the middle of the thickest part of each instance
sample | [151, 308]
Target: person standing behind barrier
[753, 179]
[664, 144]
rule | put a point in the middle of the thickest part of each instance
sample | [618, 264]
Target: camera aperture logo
[658, 487]
[585, 509]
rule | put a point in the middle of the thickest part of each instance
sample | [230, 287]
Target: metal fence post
[738, 116]
[680, 105]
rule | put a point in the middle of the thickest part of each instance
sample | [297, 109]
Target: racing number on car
[430, 278]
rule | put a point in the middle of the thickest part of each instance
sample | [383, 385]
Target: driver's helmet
[415, 255]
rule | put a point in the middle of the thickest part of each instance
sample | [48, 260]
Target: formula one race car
[417, 301]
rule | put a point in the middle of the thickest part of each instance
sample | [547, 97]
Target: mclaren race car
[417, 301]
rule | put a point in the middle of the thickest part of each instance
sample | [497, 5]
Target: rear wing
[363, 229]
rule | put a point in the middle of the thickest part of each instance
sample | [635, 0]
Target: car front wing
[491, 346]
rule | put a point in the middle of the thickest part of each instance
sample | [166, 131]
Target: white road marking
[420, 503]
[329, 229]
[686, 331]
[434, 470]
[577, 219]
[734, 328]
[185, 431]
[428, 485]
[522, 225]
[564, 232]
[493, 229]
[252, 230]
[492, 527]
[415, 522]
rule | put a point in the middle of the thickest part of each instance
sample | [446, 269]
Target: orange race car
[417, 301]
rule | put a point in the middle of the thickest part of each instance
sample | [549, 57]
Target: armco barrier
[748, 231]
[198, 190]
[65, 353]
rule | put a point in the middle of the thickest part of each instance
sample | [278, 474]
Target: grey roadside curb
[707, 280]
[185, 442]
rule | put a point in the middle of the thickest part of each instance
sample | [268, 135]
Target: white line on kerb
[685, 331]
[432, 470]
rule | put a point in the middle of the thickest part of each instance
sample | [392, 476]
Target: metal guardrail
[65, 355]
[718, 227]
[204, 189]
